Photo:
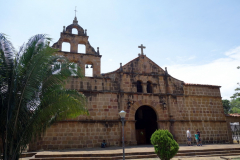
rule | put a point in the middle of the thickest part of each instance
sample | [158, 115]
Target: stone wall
[203, 112]
[211, 131]
[84, 134]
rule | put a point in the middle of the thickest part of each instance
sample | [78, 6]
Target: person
[188, 137]
[103, 144]
[196, 138]
[199, 138]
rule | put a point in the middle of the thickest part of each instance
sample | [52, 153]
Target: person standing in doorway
[199, 138]
[188, 137]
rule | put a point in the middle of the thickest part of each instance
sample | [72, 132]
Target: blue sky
[199, 41]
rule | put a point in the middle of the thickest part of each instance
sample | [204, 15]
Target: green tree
[235, 100]
[235, 105]
[164, 144]
[226, 106]
[32, 92]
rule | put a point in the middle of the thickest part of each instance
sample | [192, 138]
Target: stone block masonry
[152, 98]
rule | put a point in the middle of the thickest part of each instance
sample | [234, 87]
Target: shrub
[164, 144]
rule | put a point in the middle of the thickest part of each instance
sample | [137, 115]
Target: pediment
[142, 65]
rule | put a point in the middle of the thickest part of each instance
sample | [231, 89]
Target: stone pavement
[129, 149]
[199, 158]
[144, 148]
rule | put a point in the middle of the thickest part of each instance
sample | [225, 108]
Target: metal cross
[142, 47]
[75, 10]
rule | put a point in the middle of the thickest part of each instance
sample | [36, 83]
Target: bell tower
[89, 59]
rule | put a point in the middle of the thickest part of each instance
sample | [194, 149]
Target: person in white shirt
[189, 137]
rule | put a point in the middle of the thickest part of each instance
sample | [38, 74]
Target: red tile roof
[234, 114]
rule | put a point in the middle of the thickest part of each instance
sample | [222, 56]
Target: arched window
[89, 69]
[66, 46]
[81, 48]
[74, 31]
[149, 87]
[139, 86]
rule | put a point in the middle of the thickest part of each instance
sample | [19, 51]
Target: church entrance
[146, 124]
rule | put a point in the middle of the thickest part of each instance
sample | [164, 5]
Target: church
[152, 98]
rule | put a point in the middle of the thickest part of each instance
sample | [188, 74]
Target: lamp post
[122, 115]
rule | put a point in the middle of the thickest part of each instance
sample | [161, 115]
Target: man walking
[188, 137]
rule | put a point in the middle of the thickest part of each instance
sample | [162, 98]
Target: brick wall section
[202, 91]
[198, 108]
[211, 132]
[68, 135]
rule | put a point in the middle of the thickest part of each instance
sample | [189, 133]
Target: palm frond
[32, 97]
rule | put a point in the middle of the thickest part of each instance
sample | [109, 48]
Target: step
[29, 154]
[97, 158]
[127, 157]
[92, 155]
[206, 153]
[180, 153]
[136, 155]
[201, 150]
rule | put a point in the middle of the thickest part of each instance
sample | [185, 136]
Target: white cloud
[222, 72]
[192, 57]
[233, 51]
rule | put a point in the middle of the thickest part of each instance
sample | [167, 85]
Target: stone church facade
[152, 98]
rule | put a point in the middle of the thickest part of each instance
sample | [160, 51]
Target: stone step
[129, 157]
[92, 155]
[203, 150]
[180, 153]
[137, 155]
[206, 153]
[97, 158]
[24, 155]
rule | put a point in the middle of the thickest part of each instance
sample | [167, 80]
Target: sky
[198, 41]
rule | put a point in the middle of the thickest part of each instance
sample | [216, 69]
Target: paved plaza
[129, 149]
[146, 148]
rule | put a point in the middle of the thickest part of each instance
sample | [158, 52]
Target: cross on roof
[142, 47]
[75, 10]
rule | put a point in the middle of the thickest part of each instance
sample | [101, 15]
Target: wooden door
[141, 136]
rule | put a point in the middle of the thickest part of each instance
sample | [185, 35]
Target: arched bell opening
[66, 46]
[74, 31]
[146, 124]
[89, 69]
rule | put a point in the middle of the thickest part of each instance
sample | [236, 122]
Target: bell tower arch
[82, 59]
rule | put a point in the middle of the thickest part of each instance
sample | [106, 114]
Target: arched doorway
[146, 124]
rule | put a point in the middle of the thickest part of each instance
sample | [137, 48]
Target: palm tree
[32, 92]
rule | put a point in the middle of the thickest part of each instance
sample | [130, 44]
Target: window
[74, 31]
[139, 86]
[149, 87]
[81, 48]
[66, 46]
[88, 70]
